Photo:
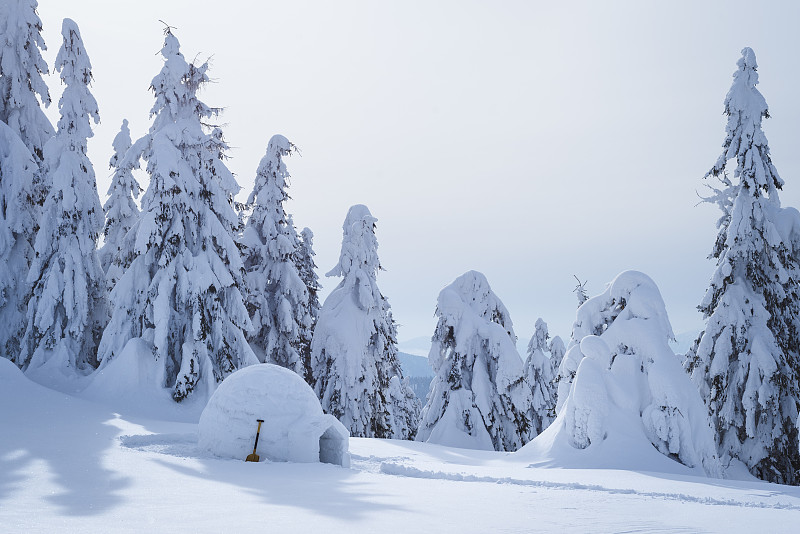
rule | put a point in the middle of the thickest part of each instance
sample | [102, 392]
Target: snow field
[82, 467]
[134, 460]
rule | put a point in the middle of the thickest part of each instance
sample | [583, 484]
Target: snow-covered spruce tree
[17, 171]
[478, 398]
[580, 291]
[277, 298]
[557, 350]
[539, 376]
[745, 362]
[565, 368]
[308, 274]
[181, 292]
[627, 379]
[21, 69]
[354, 363]
[120, 209]
[24, 122]
[67, 308]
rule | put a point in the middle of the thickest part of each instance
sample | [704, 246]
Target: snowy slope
[69, 465]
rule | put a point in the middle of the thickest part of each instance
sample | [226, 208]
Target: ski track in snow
[390, 468]
[184, 445]
[180, 445]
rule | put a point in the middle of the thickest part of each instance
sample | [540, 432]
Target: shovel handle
[257, 434]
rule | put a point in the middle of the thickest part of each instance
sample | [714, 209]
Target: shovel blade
[251, 458]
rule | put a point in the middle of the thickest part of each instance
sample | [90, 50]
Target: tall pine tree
[557, 351]
[67, 309]
[745, 362]
[23, 134]
[354, 363]
[277, 298]
[539, 377]
[17, 171]
[308, 274]
[120, 209]
[181, 292]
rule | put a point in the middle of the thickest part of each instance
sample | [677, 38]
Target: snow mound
[450, 429]
[133, 383]
[295, 429]
[10, 373]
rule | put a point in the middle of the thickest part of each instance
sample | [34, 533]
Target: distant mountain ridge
[418, 346]
[414, 365]
[418, 371]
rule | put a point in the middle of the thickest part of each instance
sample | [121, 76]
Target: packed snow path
[69, 465]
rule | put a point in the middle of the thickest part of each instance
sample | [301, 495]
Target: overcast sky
[531, 141]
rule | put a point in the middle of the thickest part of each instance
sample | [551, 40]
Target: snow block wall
[295, 429]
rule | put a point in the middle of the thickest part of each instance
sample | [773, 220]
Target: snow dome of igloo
[295, 428]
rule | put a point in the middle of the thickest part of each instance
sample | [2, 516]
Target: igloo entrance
[332, 447]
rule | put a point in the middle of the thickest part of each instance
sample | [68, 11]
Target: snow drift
[295, 429]
[133, 382]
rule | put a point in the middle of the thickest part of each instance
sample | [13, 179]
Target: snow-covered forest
[162, 317]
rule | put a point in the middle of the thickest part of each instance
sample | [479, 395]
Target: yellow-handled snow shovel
[254, 457]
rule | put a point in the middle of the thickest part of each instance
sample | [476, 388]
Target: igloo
[295, 429]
